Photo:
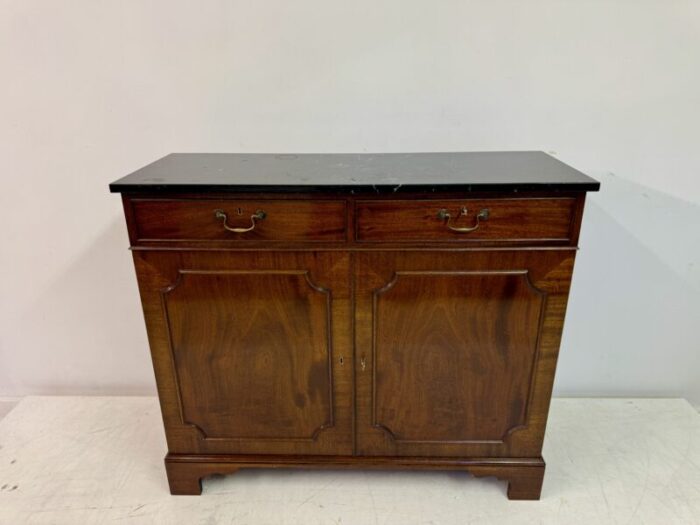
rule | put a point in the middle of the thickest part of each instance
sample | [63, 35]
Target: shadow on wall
[631, 330]
[634, 311]
[90, 336]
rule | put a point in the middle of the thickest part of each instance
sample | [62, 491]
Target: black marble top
[356, 173]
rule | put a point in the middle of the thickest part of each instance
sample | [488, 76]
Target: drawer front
[465, 220]
[232, 220]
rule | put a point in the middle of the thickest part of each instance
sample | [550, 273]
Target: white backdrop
[91, 90]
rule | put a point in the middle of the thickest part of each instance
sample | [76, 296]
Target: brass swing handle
[257, 216]
[443, 214]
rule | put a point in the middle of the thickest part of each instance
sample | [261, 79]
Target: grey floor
[7, 404]
[68, 460]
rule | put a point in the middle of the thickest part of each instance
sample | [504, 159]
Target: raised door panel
[246, 357]
[252, 353]
[453, 354]
[456, 350]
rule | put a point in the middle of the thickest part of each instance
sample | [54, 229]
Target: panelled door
[252, 350]
[454, 350]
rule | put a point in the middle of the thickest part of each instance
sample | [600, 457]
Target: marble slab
[356, 173]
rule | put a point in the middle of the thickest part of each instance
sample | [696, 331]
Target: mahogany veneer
[355, 311]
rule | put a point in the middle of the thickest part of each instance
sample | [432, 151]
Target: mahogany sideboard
[355, 310]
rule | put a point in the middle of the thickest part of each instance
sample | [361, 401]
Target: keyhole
[239, 211]
[341, 360]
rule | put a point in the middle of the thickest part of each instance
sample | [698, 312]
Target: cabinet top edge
[350, 174]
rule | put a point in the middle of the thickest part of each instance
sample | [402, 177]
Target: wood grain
[191, 219]
[389, 344]
[524, 475]
[510, 220]
[252, 353]
[453, 354]
[458, 360]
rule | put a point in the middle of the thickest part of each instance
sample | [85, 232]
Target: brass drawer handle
[443, 214]
[257, 216]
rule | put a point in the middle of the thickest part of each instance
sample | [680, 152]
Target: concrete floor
[7, 404]
[83, 460]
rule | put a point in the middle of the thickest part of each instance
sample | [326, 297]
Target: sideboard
[355, 310]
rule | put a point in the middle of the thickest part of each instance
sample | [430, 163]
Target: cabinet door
[455, 351]
[252, 350]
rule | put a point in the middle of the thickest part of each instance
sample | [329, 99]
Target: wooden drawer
[499, 220]
[203, 220]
